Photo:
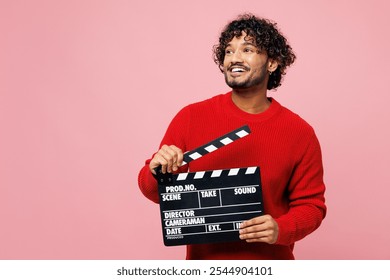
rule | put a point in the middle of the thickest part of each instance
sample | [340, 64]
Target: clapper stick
[216, 144]
[205, 149]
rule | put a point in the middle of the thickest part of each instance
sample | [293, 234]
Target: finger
[254, 221]
[267, 236]
[254, 235]
[255, 228]
[170, 155]
[178, 160]
[270, 239]
[158, 160]
[257, 221]
[261, 239]
[167, 157]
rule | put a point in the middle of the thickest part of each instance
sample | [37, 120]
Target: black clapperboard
[209, 206]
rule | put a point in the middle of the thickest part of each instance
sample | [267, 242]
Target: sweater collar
[233, 110]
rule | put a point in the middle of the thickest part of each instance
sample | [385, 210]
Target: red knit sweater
[288, 153]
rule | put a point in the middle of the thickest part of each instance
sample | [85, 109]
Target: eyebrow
[246, 43]
[249, 44]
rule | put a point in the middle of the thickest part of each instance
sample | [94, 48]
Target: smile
[236, 69]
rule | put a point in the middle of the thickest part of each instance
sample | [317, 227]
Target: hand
[260, 229]
[169, 157]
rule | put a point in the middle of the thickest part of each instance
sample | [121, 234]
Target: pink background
[88, 87]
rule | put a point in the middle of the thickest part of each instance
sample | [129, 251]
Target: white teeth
[237, 70]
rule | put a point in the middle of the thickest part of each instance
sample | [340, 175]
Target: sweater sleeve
[175, 135]
[306, 195]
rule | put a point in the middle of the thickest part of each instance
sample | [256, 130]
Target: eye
[248, 50]
[228, 51]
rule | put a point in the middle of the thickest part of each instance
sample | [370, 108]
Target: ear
[272, 65]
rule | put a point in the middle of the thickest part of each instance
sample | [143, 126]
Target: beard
[253, 79]
[247, 83]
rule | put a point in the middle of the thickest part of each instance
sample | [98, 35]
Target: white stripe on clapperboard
[211, 148]
[216, 173]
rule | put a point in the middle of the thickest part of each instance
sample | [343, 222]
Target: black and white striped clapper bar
[208, 206]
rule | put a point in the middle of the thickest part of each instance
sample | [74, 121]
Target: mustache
[238, 65]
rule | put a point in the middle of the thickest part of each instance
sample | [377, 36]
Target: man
[253, 56]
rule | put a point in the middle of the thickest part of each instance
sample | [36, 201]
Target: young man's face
[244, 65]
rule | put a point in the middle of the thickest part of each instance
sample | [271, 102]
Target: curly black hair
[267, 38]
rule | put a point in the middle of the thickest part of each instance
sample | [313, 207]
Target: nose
[236, 57]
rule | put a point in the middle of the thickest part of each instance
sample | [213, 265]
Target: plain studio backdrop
[87, 89]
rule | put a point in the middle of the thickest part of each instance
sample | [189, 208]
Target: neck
[253, 102]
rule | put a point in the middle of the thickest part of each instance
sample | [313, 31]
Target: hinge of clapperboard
[204, 150]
